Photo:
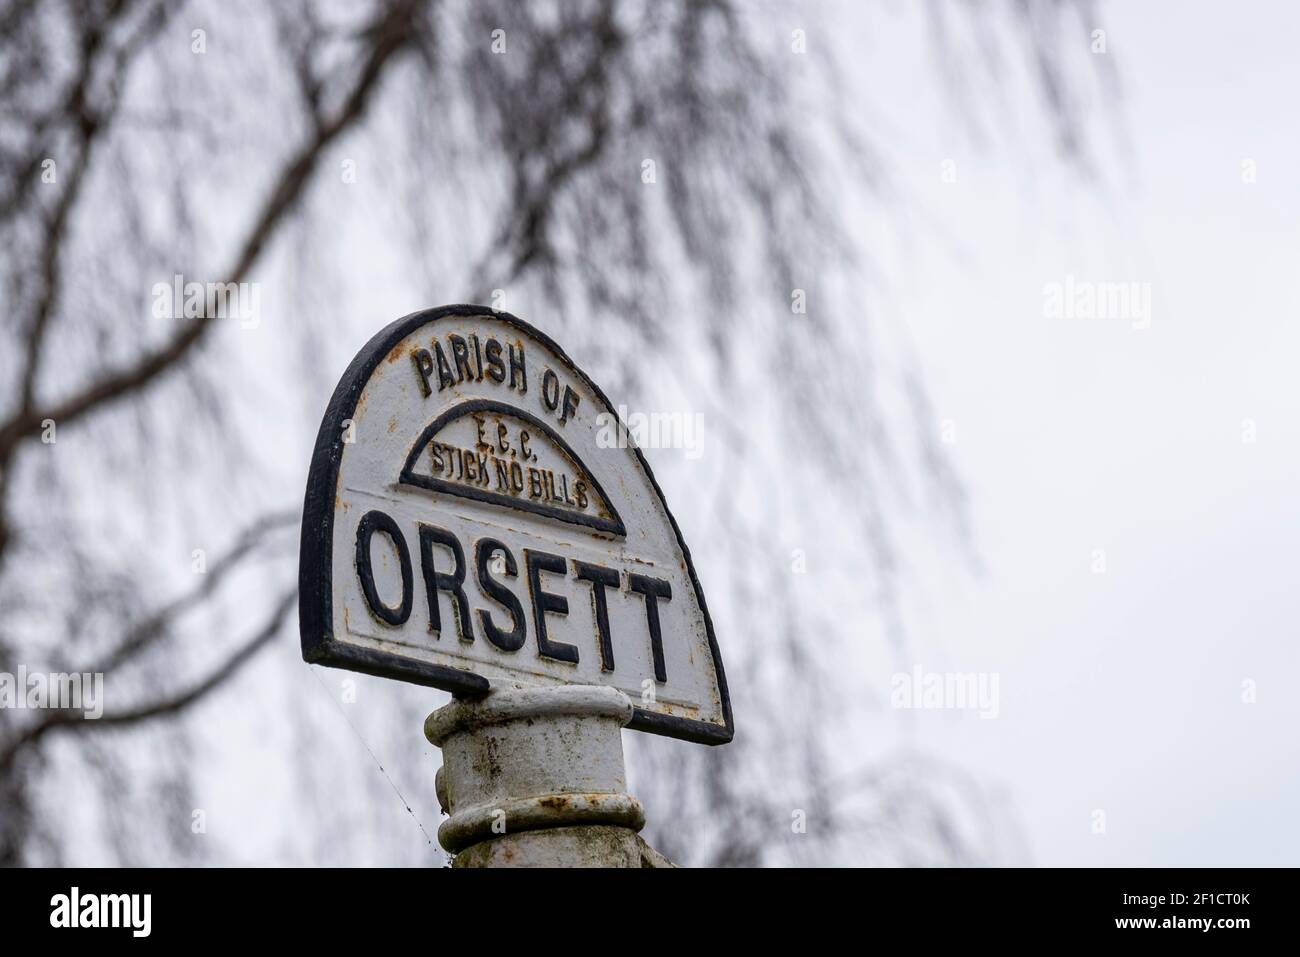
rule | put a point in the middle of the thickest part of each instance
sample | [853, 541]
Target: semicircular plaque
[492, 452]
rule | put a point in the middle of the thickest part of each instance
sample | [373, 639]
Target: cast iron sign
[468, 520]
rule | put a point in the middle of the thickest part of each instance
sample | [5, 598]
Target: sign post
[478, 520]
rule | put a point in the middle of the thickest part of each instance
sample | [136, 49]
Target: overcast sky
[1123, 691]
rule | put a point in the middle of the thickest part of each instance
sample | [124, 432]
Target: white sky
[1122, 691]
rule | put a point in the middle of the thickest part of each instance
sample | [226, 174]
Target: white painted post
[534, 777]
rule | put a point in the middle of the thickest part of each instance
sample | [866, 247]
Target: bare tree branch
[165, 706]
[534, 153]
[388, 37]
[215, 680]
[154, 627]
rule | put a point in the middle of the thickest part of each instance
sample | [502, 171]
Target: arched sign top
[467, 520]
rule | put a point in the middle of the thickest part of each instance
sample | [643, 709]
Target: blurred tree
[142, 139]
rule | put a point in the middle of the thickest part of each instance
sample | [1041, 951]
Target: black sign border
[315, 562]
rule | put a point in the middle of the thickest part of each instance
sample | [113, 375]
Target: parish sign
[468, 522]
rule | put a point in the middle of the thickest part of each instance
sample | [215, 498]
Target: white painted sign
[468, 519]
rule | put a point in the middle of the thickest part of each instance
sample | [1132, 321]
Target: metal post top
[515, 702]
